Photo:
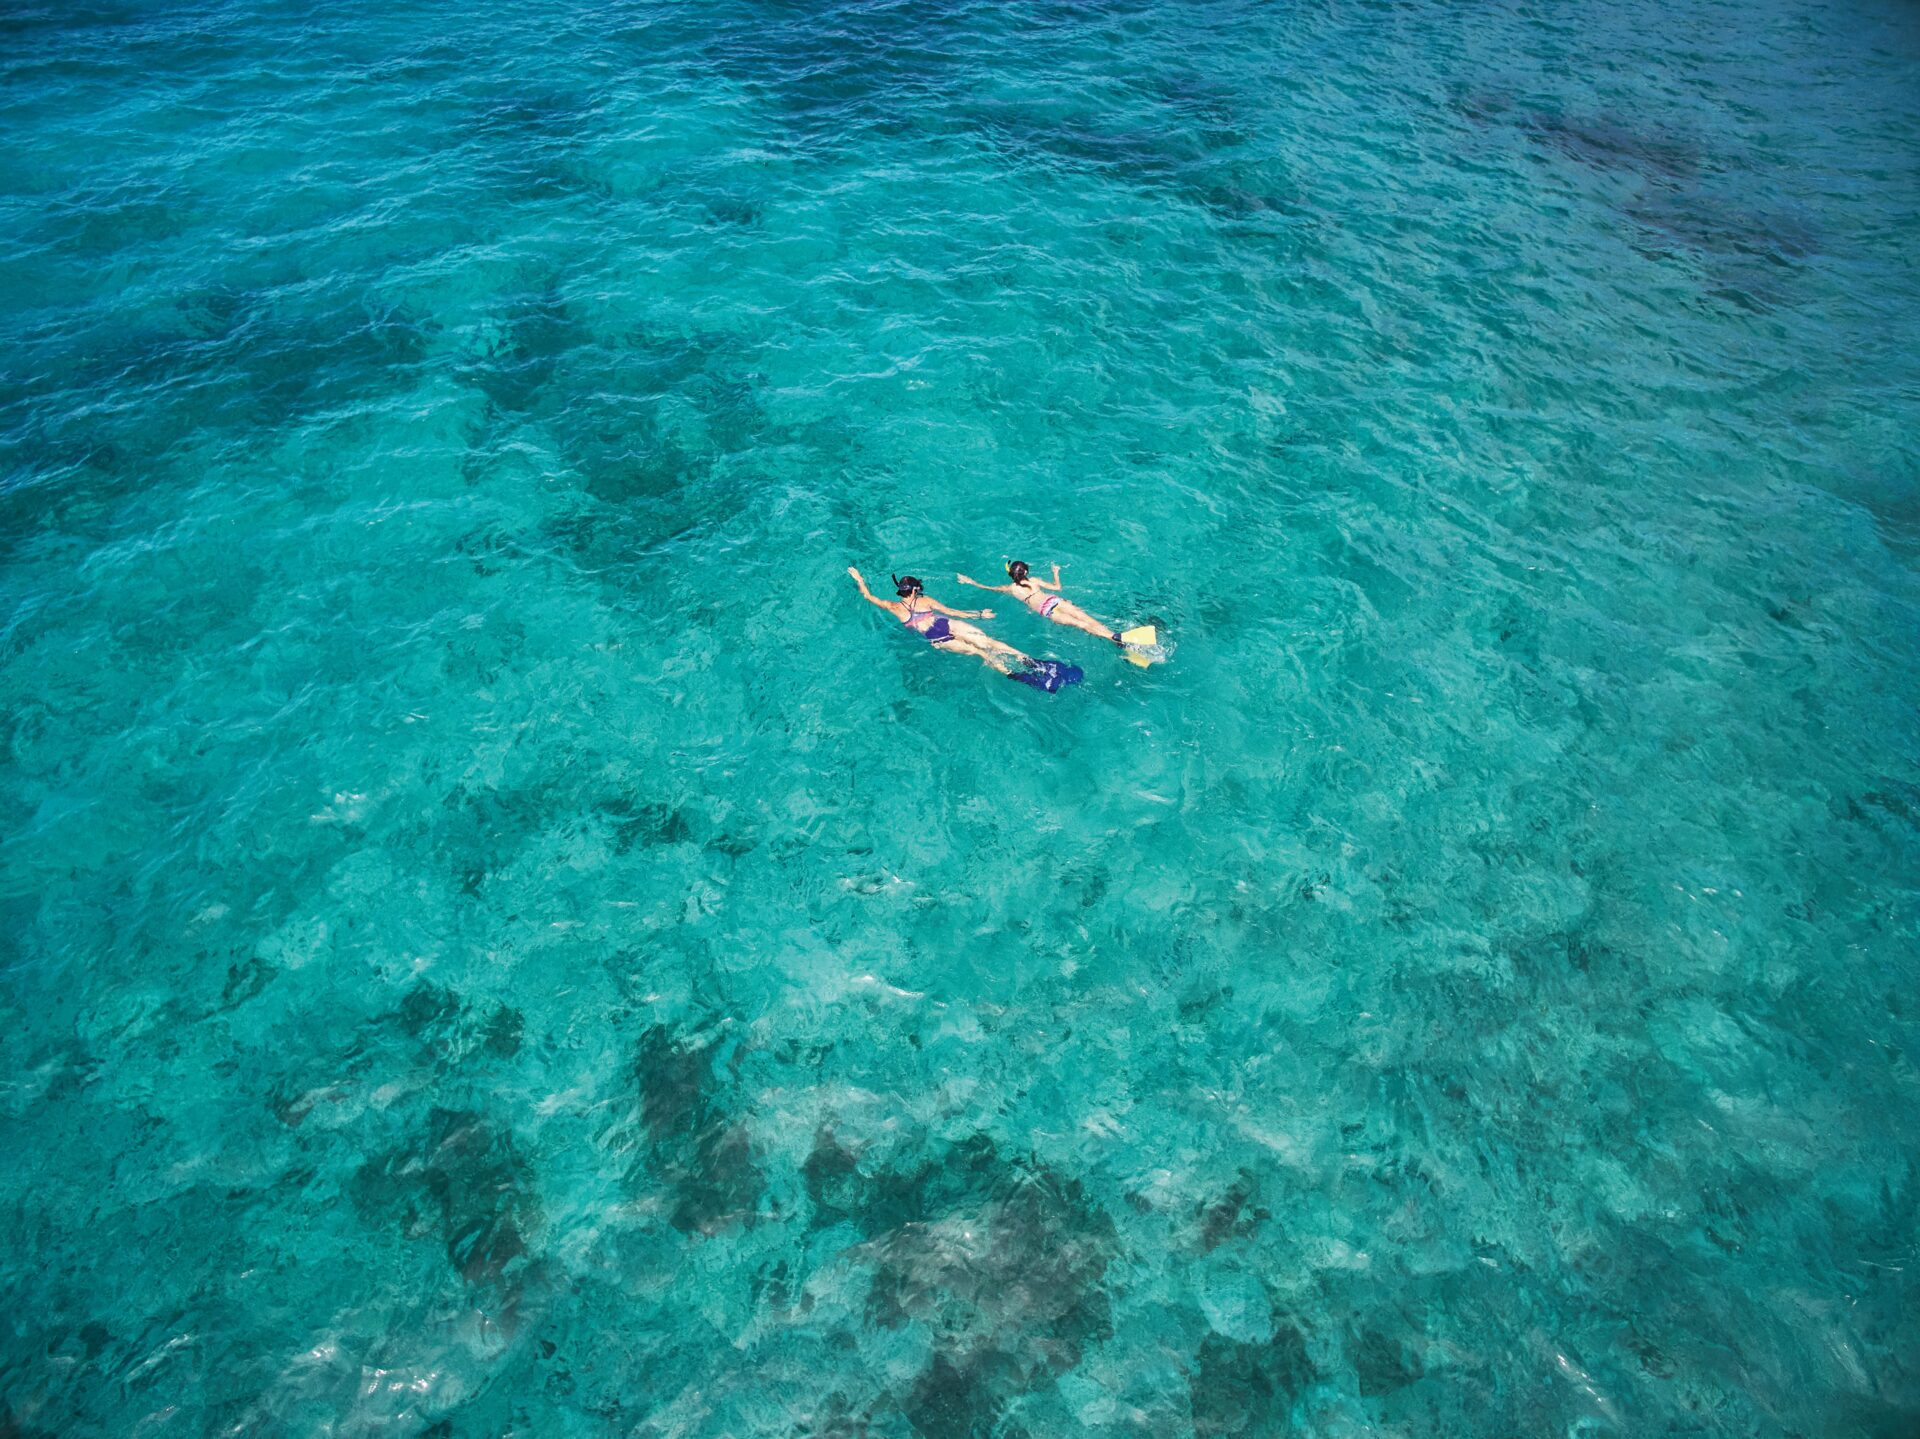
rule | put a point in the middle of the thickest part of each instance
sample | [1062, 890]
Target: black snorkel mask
[906, 586]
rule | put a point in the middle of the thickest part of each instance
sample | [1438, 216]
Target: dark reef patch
[1383, 1364]
[245, 980]
[306, 364]
[464, 1182]
[1001, 1258]
[1601, 142]
[12, 1427]
[503, 1032]
[1232, 1215]
[957, 1397]
[644, 824]
[1239, 1388]
[426, 1009]
[537, 332]
[1188, 162]
[478, 831]
[657, 433]
[1706, 223]
[525, 144]
[224, 358]
[700, 1154]
[447, 1032]
[1605, 143]
[1679, 201]
[842, 68]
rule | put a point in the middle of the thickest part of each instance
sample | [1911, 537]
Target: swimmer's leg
[1069, 614]
[1007, 654]
[972, 640]
[984, 647]
[991, 652]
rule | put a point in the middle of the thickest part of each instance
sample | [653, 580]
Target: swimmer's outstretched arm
[932, 603]
[1044, 584]
[997, 589]
[868, 595]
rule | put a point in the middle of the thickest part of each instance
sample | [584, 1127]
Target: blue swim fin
[1049, 675]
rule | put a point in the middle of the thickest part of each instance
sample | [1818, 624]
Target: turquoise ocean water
[497, 939]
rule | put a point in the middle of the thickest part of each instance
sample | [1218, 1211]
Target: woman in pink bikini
[1034, 595]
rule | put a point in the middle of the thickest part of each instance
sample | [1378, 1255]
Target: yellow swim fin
[1141, 636]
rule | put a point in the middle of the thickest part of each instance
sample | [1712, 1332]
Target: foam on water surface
[499, 939]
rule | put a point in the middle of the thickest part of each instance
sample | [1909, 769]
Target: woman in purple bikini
[934, 623]
[947, 629]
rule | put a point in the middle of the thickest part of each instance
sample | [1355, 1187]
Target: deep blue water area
[498, 939]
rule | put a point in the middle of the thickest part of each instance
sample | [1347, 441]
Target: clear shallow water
[498, 939]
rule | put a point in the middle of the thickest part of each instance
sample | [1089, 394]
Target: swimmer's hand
[868, 595]
[986, 614]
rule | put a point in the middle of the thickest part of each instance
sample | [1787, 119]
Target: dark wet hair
[1017, 571]
[905, 585]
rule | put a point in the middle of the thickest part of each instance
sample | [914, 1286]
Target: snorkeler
[947, 629]
[934, 623]
[1033, 594]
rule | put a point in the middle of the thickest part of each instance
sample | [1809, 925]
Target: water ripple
[499, 937]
